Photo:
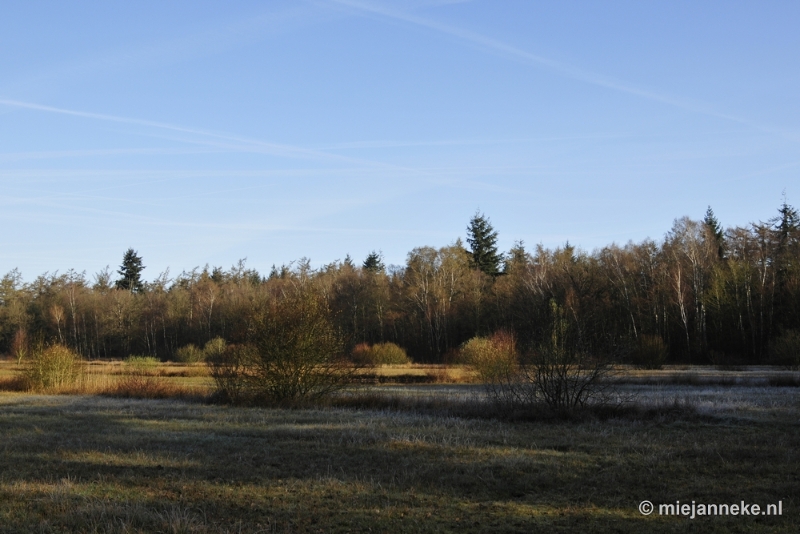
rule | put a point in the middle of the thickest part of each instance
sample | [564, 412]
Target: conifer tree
[374, 262]
[482, 240]
[130, 271]
[715, 229]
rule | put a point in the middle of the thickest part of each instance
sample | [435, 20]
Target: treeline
[707, 295]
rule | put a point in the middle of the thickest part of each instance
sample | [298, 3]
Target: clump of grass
[142, 381]
[141, 364]
[148, 387]
[13, 383]
[51, 368]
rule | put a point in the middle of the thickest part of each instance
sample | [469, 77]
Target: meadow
[396, 456]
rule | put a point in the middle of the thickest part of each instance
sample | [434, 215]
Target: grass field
[80, 463]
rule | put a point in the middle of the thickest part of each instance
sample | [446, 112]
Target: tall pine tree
[715, 229]
[130, 271]
[482, 240]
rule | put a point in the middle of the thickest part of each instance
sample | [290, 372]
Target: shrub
[189, 354]
[555, 375]
[494, 359]
[389, 354]
[785, 349]
[564, 379]
[295, 353]
[379, 354]
[229, 370]
[53, 367]
[650, 352]
[214, 348]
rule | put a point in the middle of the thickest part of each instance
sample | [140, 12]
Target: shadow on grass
[383, 467]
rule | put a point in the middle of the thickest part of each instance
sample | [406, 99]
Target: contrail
[570, 71]
[271, 148]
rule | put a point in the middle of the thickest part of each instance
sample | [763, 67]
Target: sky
[201, 133]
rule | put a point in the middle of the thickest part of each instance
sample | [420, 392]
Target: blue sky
[205, 132]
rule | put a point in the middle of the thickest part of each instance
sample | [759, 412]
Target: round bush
[53, 367]
[214, 349]
[189, 354]
[379, 354]
[494, 359]
[389, 354]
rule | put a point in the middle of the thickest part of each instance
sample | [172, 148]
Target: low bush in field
[494, 359]
[189, 354]
[554, 375]
[295, 353]
[379, 354]
[52, 367]
[214, 348]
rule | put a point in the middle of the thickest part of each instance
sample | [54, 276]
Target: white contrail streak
[570, 71]
[271, 148]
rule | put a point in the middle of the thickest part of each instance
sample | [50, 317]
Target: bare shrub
[554, 375]
[295, 353]
[229, 370]
[563, 379]
[52, 367]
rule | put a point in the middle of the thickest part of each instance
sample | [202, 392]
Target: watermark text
[694, 509]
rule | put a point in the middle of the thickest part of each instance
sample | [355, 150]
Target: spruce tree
[715, 229]
[130, 271]
[482, 240]
[374, 262]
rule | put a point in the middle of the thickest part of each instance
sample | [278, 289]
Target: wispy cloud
[94, 153]
[463, 142]
[239, 143]
[512, 52]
